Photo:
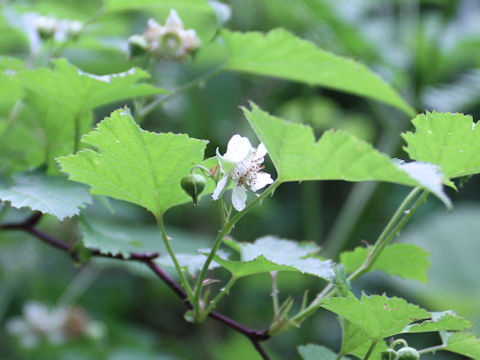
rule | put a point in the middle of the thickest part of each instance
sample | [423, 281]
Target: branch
[28, 225]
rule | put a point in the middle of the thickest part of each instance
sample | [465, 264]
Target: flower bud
[408, 353]
[137, 45]
[193, 185]
[74, 28]
[46, 26]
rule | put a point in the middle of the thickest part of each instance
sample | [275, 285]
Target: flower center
[245, 172]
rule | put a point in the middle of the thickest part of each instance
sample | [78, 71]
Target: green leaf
[379, 316]
[451, 141]
[464, 344]
[137, 166]
[53, 195]
[281, 54]
[62, 100]
[335, 156]
[272, 254]
[317, 352]
[356, 341]
[441, 321]
[405, 260]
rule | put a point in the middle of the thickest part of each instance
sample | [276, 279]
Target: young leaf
[451, 141]
[62, 100]
[272, 254]
[335, 156]
[53, 195]
[317, 352]
[379, 316]
[463, 343]
[281, 54]
[441, 321]
[405, 260]
[137, 166]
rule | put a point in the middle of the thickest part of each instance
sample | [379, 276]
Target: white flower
[242, 163]
[171, 40]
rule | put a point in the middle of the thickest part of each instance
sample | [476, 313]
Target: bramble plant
[58, 163]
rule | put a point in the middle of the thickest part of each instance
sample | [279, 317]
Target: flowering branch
[28, 225]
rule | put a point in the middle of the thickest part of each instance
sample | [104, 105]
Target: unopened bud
[193, 185]
[137, 45]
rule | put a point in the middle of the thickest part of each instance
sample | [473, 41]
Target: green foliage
[405, 260]
[281, 54]
[53, 195]
[462, 343]
[356, 341]
[316, 352]
[446, 320]
[447, 140]
[61, 103]
[335, 156]
[272, 254]
[379, 316]
[137, 166]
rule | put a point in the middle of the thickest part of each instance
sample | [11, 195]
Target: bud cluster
[49, 27]
[170, 41]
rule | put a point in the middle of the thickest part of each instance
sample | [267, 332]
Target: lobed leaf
[405, 260]
[272, 254]
[335, 156]
[379, 316]
[53, 195]
[134, 165]
[355, 341]
[281, 54]
[451, 141]
[62, 101]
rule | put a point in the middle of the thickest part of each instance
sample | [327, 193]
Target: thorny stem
[398, 220]
[227, 228]
[161, 99]
[255, 336]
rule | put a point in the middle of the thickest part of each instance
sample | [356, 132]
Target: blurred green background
[428, 50]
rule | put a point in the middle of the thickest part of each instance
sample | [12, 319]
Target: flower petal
[261, 151]
[239, 197]
[261, 180]
[238, 149]
[220, 186]
[174, 20]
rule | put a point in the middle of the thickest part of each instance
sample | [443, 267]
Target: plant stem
[398, 220]
[224, 291]
[431, 349]
[227, 228]
[79, 285]
[160, 100]
[370, 349]
[180, 271]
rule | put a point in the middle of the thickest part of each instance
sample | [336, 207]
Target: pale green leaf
[405, 260]
[62, 101]
[316, 352]
[137, 166]
[379, 316]
[440, 321]
[192, 263]
[272, 254]
[281, 54]
[53, 195]
[297, 156]
[463, 343]
[451, 141]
